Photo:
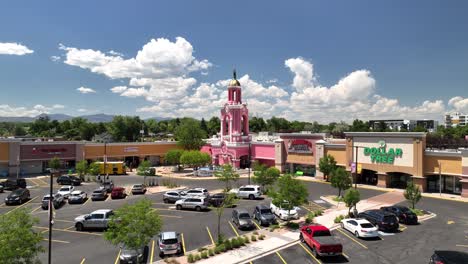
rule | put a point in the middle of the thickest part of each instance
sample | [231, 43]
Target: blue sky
[395, 59]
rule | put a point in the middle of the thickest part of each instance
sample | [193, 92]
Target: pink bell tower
[233, 147]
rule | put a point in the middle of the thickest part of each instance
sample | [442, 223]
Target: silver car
[173, 196]
[169, 243]
[197, 203]
[77, 197]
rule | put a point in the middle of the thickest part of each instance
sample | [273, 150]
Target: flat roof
[386, 134]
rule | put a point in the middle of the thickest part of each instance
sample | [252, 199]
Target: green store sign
[383, 155]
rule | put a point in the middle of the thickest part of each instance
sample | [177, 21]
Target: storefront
[35, 156]
[299, 149]
[450, 184]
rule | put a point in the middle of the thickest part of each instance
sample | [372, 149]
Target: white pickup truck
[283, 213]
[98, 219]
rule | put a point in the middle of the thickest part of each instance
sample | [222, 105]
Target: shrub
[235, 243]
[246, 239]
[217, 250]
[418, 212]
[211, 252]
[190, 258]
[254, 238]
[220, 240]
[339, 218]
[241, 241]
[261, 237]
[273, 227]
[318, 212]
[197, 257]
[223, 248]
[228, 244]
[201, 249]
[292, 225]
[337, 198]
[255, 233]
[204, 254]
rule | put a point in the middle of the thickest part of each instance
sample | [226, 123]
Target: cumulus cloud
[459, 104]
[54, 58]
[12, 48]
[85, 90]
[13, 111]
[118, 89]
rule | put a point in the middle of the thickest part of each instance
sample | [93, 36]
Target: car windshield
[170, 241]
[244, 216]
[46, 198]
[97, 191]
[389, 218]
[137, 186]
[367, 225]
[64, 189]
[405, 210]
[265, 211]
[75, 194]
[321, 233]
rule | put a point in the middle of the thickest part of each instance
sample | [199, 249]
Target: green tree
[144, 169]
[412, 194]
[257, 124]
[54, 164]
[229, 201]
[190, 135]
[227, 175]
[81, 168]
[19, 243]
[351, 199]
[134, 225]
[266, 176]
[290, 192]
[19, 131]
[173, 157]
[340, 180]
[327, 164]
[94, 169]
[359, 126]
[214, 126]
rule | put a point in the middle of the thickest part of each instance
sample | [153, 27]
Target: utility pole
[50, 214]
[440, 179]
[356, 168]
[249, 163]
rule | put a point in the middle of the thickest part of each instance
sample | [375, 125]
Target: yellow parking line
[108, 197]
[118, 256]
[233, 229]
[345, 255]
[152, 251]
[462, 246]
[69, 231]
[82, 261]
[43, 182]
[402, 227]
[359, 243]
[257, 225]
[35, 209]
[173, 216]
[34, 182]
[310, 253]
[183, 242]
[87, 200]
[69, 228]
[66, 221]
[21, 205]
[282, 259]
[209, 233]
[58, 241]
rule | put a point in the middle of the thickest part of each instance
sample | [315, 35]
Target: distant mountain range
[62, 117]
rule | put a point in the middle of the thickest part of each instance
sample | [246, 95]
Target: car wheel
[301, 238]
[356, 234]
[165, 200]
[198, 208]
[79, 227]
[315, 253]
[342, 226]
[251, 196]
[179, 207]
[161, 255]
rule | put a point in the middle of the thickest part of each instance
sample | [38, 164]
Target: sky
[303, 60]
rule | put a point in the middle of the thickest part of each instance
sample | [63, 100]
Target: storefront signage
[131, 149]
[300, 146]
[383, 155]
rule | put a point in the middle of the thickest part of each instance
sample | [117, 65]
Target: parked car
[66, 191]
[98, 219]
[77, 196]
[320, 240]
[138, 189]
[264, 215]
[248, 191]
[385, 221]
[242, 219]
[169, 243]
[198, 192]
[217, 199]
[137, 256]
[57, 201]
[197, 203]
[448, 257]
[14, 184]
[18, 196]
[283, 213]
[360, 227]
[118, 193]
[404, 214]
[68, 180]
[108, 186]
[173, 196]
[1, 188]
[99, 195]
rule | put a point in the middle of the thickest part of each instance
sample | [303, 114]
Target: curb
[268, 252]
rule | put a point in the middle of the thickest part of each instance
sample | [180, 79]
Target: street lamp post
[50, 215]
[356, 168]
[440, 179]
[249, 163]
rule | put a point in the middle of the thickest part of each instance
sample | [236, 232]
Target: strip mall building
[388, 159]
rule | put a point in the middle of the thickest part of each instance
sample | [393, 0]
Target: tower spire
[234, 75]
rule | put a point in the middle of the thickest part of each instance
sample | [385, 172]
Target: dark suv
[263, 215]
[385, 221]
[18, 196]
[14, 184]
[404, 214]
[68, 180]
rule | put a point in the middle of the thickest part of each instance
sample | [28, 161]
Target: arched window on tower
[226, 126]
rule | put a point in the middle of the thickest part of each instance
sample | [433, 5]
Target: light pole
[440, 179]
[50, 214]
[356, 148]
[249, 162]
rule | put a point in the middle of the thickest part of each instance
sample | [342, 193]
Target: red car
[118, 193]
[320, 240]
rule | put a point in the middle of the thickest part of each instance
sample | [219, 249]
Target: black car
[68, 180]
[14, 184]
[242, 219]
[264, 215]
[448, 257]
[99, 194]
[108, 186]
[18, 196]
[385, 221]
[404, 214]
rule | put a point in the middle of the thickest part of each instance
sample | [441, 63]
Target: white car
[359, 227]
[77, 196]
[66, 191]
[248, 191]
[284, 214]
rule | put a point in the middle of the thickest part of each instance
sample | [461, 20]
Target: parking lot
[413, 243]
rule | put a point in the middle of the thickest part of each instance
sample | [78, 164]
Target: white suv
[198, 192]
[193, 202]
[248, 191]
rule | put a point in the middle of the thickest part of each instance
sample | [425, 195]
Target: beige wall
[406, 144]
[4, 152]
[338, 154]
[93, 151]
[449, 165]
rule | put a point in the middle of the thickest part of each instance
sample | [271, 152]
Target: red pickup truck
[320, 240]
